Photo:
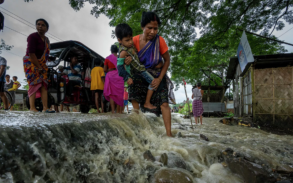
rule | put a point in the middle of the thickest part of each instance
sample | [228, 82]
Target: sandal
[48, 111]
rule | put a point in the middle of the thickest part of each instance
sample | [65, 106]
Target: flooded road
[74, 147]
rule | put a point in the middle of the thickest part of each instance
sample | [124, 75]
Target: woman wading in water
[152, 50]
[197, 108]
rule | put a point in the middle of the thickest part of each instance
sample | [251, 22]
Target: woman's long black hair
[147, 17]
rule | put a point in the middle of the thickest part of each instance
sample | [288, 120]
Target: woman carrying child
[152, 50]
[123, 33]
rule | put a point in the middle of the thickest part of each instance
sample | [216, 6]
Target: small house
[264, 89]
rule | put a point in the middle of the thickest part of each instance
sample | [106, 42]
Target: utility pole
[184, 83]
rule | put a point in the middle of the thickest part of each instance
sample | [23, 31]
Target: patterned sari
[150, 57]
[34, 78]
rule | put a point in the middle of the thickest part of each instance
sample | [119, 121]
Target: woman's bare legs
[167, 118]
[32, 99]
[112, 103]
[165, 112]
[119, 109]
[195, 118]
[201, 119]
[44, 97]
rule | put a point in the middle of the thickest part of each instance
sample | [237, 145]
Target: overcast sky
[67, 24]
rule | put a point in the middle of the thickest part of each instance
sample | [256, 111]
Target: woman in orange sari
[35, 68]
[152, 50]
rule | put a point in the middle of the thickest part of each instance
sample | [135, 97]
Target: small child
[123, 33]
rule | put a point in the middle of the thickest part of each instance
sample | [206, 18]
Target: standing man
[3, 64]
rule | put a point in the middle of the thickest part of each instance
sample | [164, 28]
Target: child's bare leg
[102, 104]
[147, 103]
[97, 102]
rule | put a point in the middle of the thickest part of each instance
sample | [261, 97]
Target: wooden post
[188, 106]
[253, 94]
[208, 98]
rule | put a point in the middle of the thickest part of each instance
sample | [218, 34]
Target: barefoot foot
[149, 106]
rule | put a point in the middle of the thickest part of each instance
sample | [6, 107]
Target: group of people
[6, 84]
[106, 83]
[11, 86]
[141, 61]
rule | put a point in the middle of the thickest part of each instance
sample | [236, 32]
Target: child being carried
[123, 33]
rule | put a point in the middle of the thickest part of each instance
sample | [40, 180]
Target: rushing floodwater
[74, 147]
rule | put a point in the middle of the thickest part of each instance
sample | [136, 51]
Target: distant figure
[35, 68]
[197, 108]
[8, 86]
[60, 72]
[114, 84]
[16, 84]
[3, 64]
[125, 98]
[11, 86]
[123, 33]
[74, 75]
[97, 83]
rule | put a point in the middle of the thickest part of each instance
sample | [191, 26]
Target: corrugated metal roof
[261, 61]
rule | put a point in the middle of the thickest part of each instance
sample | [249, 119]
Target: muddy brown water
[74, 147]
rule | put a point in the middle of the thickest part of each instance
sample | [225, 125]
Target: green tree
[26, 87]
[180, 17]
[217, 21]
[4, 46]
[209, 58]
